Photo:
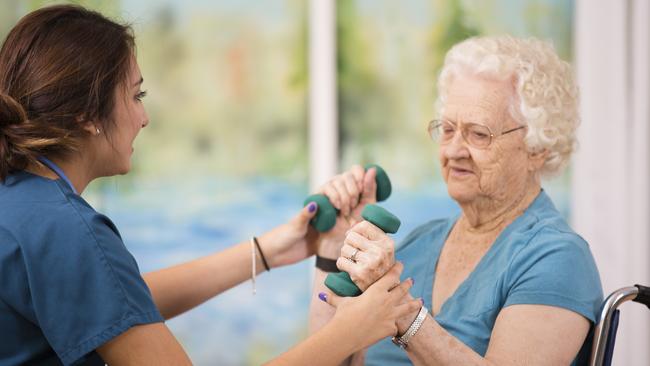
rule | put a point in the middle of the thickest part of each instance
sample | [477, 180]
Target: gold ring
[353, 257]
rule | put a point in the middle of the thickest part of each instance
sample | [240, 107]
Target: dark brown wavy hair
[59, 67]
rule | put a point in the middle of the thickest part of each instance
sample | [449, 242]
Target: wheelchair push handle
[643, 296]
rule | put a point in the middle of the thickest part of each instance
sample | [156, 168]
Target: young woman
[70, 292]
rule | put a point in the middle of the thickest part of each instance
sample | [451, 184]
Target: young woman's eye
[141, 95]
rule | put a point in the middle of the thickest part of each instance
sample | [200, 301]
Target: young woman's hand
[368, 318]
[291, 242]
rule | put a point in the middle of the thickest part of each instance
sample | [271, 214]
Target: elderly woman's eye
[479, 134]
[447, 129]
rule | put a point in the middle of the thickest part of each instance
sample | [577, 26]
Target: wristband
[326, 264]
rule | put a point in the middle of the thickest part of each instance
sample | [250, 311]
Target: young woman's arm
[182, 287]
[150, 344]
[357, 323]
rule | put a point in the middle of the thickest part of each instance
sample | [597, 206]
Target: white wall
[611, 204]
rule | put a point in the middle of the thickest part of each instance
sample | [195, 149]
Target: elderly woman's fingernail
[312, 206]
[422, 301]
[322, 296]
[412, 281]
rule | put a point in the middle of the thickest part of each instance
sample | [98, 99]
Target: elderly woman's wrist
[329, 250]
[405, 322]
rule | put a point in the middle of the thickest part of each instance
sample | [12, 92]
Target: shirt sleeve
[557, 269]
[85, 286]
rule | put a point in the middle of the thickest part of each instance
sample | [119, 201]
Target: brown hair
[59, 66]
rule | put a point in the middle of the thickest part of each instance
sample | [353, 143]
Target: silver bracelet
[403, 340]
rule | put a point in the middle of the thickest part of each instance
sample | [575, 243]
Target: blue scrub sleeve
[84, 285]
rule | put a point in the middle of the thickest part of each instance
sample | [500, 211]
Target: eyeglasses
[476, 135]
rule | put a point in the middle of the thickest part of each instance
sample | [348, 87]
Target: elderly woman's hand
[367, 254]
[374, 314]
[348, 192]
[351, 190]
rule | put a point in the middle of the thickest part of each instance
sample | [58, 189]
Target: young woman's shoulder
[40, 211]
[71, 274]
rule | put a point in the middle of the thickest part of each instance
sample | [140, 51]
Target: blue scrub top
[538, 259]
[67, 282]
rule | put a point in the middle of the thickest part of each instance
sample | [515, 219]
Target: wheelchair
[605, 331]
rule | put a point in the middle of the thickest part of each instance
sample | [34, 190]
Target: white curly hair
[546, 95]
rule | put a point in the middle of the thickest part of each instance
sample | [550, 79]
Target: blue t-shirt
[537, 259]
[67, 282]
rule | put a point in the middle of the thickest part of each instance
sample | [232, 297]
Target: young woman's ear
[92, 127]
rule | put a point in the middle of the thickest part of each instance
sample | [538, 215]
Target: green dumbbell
[341, 283]
[326, 216]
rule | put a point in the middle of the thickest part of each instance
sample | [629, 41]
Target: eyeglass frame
[436, 123]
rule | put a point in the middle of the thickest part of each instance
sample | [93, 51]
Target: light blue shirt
[537, 259]
[67, 282]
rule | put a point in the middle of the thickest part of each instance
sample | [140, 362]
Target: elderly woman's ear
[536, 160]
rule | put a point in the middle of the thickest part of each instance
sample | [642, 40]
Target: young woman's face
[129, 117]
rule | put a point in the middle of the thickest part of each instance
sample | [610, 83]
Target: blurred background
[232, 148]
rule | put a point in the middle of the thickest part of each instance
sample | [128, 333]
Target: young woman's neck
[76, 169]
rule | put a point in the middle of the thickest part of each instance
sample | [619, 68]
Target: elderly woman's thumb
[369, 194]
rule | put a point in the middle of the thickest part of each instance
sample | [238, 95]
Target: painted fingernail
[421, 301]
[322, 296]
[312, 206]
[412, 281]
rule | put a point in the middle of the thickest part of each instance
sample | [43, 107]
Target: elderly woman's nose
[457, 147]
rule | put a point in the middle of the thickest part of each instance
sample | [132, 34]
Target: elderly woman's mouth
[459, 172]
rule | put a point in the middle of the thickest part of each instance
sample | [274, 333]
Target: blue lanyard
[55, 168]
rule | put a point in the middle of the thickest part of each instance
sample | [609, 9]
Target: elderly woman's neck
[495, 214]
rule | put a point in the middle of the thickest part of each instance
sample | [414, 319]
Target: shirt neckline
[540, 201]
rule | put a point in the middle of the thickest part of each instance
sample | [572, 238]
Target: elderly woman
[506, 281]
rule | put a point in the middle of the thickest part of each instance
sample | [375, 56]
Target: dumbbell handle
[341, 283]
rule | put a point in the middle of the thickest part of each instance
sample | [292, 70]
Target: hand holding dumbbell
[341, 283]
[325, 219]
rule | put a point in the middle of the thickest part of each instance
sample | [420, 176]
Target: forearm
[320, 313]
[182, 287]
[433, 345]
[323, 348]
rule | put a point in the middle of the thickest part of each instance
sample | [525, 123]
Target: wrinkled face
[494, 172]
[129, 117]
